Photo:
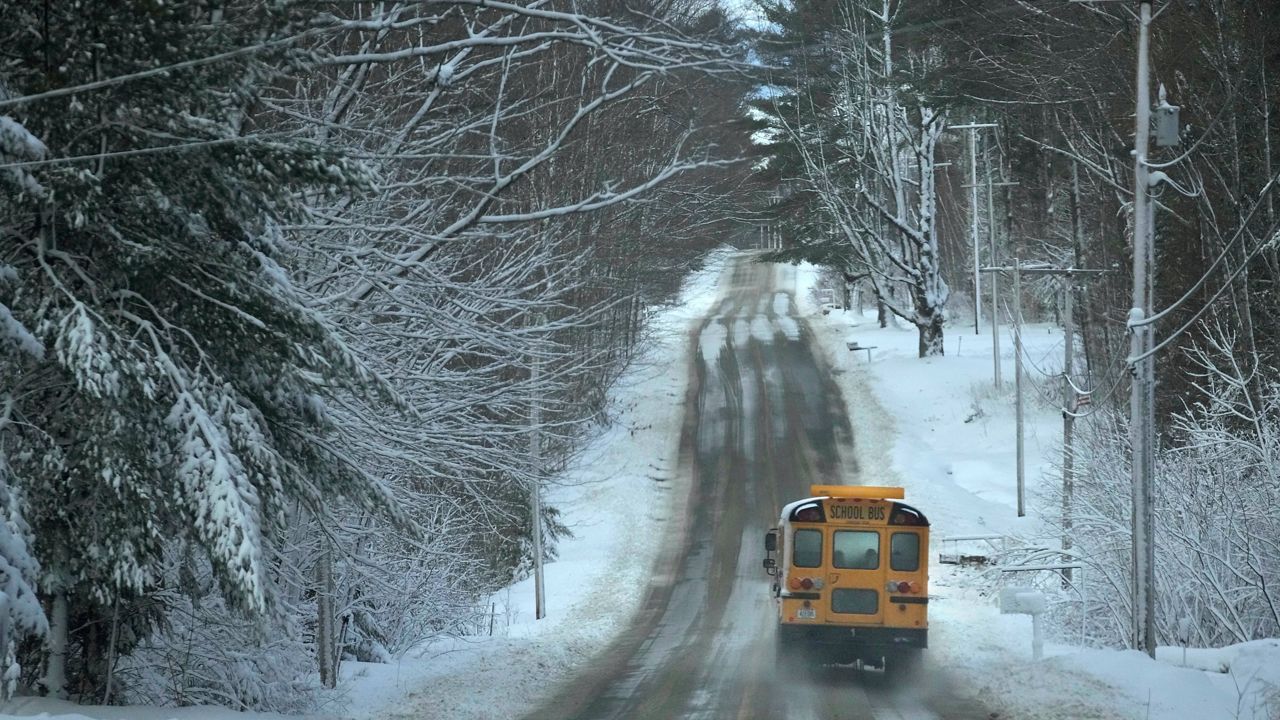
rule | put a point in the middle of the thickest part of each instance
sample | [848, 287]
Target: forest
[282, 285]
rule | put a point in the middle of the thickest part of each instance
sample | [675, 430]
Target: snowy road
[763, 421]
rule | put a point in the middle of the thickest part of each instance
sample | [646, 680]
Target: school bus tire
[904, 664]
[784, 647]
[789, 649]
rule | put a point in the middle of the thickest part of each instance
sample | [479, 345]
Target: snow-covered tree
[854, 143]
[20, 611]
[171, 382]
[1216, 487]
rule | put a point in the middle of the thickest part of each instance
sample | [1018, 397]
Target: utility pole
[1017, 382]
[1141, 366]
[1068, 404]
[991, 255]
[973, 128]
[535, 482]
[995, 278]
[1068, 416]
[1141, 420]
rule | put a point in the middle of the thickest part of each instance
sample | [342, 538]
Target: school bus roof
[857, 491]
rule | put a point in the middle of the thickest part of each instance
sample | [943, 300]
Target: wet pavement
[764, 420]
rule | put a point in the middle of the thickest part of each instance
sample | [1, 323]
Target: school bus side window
[857, 549]
[808, 549]
[904, 552]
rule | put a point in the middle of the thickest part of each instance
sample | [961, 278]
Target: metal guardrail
[957, 558]
[962, 538]
[1028, 568]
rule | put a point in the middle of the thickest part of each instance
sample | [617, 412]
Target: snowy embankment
[938, 428]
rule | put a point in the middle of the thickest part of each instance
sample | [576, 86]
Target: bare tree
[863, 149]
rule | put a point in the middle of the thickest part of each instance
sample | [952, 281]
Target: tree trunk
[5, 682]
[111, 651]
[325, 641]
[55, 676]
[930, 328]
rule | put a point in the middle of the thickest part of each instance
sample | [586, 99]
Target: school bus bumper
[844, 637]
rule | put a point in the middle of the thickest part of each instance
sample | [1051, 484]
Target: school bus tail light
[804, 583]
[902, 587]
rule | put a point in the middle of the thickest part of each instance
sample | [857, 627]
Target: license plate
[806, 613]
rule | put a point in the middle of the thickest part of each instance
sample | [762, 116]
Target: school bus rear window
[808, 549]
[904, 552]
[855, 601]
[857, 550]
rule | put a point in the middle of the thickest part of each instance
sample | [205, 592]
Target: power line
[1035, 365]
[1268, 240]
[141, 151]
[1116, 363]
[156, 71]
[1244, 224]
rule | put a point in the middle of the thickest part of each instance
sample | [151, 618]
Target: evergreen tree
[161, 377]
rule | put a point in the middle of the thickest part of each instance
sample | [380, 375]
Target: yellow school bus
[851, 577]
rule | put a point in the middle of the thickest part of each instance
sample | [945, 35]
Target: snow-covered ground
[935, 426]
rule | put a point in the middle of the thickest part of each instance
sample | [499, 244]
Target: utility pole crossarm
[1033, 270]
[1010, 183]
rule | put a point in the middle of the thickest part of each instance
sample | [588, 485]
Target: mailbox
[1022, 601]
[1026, 601]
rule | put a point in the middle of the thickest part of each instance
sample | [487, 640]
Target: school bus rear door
[856, 577]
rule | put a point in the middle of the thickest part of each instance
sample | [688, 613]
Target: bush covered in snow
[206, 652]
[1217, 489]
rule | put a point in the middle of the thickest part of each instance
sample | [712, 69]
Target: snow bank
[50, 709]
